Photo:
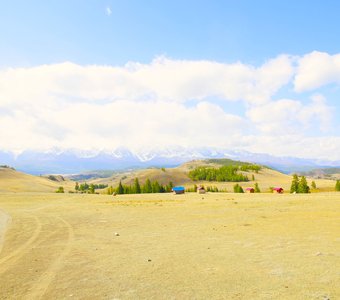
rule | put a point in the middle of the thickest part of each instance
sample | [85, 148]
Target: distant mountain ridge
[56, 161]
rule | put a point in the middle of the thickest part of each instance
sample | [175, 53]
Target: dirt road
[216, 246]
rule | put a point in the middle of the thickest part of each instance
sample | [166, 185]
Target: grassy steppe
[215, 246]
[15, 181]
[265, 178]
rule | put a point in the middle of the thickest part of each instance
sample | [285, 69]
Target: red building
[278, 190]
[250, 190]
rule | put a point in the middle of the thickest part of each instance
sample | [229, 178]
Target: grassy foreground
[162, 246]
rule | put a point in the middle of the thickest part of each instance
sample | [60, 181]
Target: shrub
[337, 186]
[60, 190]
[256, 188]
[238, 188]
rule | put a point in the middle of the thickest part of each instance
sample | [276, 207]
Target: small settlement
[178, 190]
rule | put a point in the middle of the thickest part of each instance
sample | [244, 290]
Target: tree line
[213, 189]
[224, 173]
[136, 188]
[89, 188]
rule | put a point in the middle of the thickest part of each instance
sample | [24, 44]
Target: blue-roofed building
[178, 190]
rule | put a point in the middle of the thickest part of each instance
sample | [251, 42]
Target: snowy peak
[75, 160]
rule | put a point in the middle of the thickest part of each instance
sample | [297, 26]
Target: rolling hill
[266, 177]
[15, 181]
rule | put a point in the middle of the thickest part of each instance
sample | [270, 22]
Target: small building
[278, 190]
[178, 190]
[250, 190]
[201, 190]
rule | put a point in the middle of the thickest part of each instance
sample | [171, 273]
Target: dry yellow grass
[213, 246]
[14, 181]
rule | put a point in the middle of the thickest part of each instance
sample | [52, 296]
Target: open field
[213, 246]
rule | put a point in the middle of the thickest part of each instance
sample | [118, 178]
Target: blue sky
[39, 32]
[260, 69]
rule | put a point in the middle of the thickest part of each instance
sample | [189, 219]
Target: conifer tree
[137, 188]
[238, 188]
[313, 185]
[77, 186]
[127, 189]
[169, 187]
[156, 187]
[147, 186]
[295, 184]
[303, 186]
[120, 189]
[256, 188]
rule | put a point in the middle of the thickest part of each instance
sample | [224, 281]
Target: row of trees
[250, 167]
[225, 173]
[137, 188]
[299, 185]
[213, 189]
[89, 188]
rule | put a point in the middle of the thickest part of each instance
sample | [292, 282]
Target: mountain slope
[75, 161]
[266, 177]
[14, 181]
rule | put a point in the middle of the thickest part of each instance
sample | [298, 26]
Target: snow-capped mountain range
[76, 161]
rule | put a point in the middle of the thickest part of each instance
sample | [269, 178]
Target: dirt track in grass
[213, 246]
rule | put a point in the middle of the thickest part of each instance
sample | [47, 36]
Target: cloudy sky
[153, 74]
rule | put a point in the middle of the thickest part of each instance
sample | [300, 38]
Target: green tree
[238, 188]
[313, 185]
[91, 189]
[120, 189]
[169, 187]
[110, 190]
[303, 187]
[147, 186]
[337, 186]
[128, 189]
[295, 184]
[256, 188]
[77, 186]
[156, 188]
[137, 188]
[60, 190]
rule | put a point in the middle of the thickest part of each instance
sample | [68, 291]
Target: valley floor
[164, 246]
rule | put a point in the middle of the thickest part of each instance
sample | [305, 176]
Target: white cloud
[108, 11]
[171, 80]
[103, 107]
[121, 123]
[286, 116]
[317, 69]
